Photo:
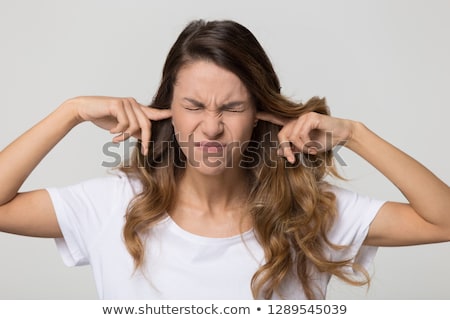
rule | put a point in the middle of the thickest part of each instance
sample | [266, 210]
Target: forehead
[206, 80]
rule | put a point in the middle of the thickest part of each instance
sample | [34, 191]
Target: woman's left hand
[310, 133]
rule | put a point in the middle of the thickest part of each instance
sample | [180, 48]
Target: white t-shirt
[179, 264]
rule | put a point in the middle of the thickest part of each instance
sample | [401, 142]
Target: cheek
[183, 125]
[179, 122]
[243, 128]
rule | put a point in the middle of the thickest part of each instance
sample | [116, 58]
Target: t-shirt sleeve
[83, 210]
[355, 213]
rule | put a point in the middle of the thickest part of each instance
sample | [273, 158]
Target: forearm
[19, 158]
[427, 194]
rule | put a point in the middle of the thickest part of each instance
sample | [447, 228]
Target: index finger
[156, 114]
[270, 117]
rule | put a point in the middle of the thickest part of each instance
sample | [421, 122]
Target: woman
[225, 197]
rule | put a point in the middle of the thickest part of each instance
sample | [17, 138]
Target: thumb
[270, 117]
[156, 114]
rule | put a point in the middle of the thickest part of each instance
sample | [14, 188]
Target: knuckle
[292, 136]
[146, 125]
[281, 137]
[310, 116]
[125, 124]
[133, 128]
[131, 100]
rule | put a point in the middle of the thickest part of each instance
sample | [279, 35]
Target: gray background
[385, 63]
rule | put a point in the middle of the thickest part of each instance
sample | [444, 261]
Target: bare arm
[20, 158]
[32, 213]
[426, 216]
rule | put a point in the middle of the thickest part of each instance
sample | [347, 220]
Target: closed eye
[234, 110]
[237, 106]
[192, 108]
[234, 106]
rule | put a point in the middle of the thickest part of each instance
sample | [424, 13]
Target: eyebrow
[228, 105]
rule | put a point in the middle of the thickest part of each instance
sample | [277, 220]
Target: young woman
[225, 197]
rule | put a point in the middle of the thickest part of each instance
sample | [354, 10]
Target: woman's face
[213, 116]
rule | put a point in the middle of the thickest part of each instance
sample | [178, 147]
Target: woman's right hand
[32, 213]
[124, 117]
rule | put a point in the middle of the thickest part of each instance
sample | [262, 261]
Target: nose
[212, 125]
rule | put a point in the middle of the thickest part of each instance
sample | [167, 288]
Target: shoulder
[114, 188]
[115, 179]
[354, 214]
[348, 201]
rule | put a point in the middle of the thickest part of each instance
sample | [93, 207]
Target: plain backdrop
[385, 63]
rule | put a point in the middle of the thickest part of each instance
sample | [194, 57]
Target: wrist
[357, 130]
[70, 110]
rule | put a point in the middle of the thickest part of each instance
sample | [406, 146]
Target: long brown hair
[290, 207]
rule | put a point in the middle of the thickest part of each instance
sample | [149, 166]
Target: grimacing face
[213, 116]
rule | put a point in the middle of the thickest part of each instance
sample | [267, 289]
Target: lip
[210, 144]
[211, 147]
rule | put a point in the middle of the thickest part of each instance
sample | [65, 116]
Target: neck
[216, 193]
[212, 206]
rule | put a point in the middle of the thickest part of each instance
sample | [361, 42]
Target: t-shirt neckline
[175, 228]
